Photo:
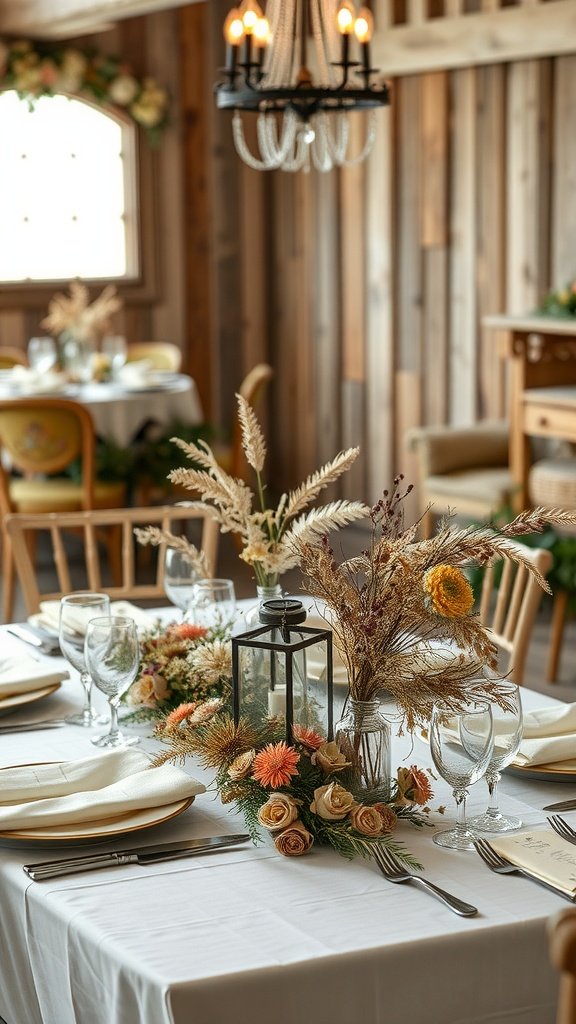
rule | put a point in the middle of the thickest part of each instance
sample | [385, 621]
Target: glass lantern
[283, 670]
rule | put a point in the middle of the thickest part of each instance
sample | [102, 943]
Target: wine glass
[507, 737]
[180, 577]
[114, 347]
[42, 354]
[76, 610]
[213, 604]
[461, 743]
[113, 657]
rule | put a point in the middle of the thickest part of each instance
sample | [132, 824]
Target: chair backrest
[89, 575]
[45, 435]
[10, 357]
[163, 355]
[252, 389]
[561, 930]
[508, 606]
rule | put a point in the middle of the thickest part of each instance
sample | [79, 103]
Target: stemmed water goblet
[113, 656]
[461, 743]
[76, 610]
[42, 354]
[507, 737]
[115, 349]
[213, 604]
[180, 577]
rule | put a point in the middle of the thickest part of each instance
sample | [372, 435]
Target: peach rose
[329, 758]
[279, 811]
[389, 818]
[367, 820]
[294, 840]
[332, 802]
[148, 690]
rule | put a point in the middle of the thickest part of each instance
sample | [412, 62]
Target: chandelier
[293, 66]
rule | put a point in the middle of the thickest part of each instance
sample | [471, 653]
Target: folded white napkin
[21, 674]
[49, 616]
[34, 382]
[105, 786]
[136, 374]
[549, 735]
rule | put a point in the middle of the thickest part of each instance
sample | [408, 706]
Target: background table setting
[206, 936]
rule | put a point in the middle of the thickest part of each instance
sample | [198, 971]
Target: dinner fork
[502, 866]
[393, 870]
[562, 828]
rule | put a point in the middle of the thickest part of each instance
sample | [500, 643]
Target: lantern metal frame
[289, 647]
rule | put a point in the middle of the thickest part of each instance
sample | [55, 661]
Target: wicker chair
[461, 469]
[562, 944]
[552, 484]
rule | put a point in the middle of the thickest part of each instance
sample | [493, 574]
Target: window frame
[141, 288]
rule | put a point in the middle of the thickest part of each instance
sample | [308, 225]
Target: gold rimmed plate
[556, 771]
[19, 700]
[102, 830]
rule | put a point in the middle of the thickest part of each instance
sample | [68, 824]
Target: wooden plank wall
[380, 274]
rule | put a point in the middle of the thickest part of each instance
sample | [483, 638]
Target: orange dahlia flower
[275, 765]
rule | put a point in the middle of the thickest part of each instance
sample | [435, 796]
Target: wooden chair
[562, 945]
[163, 355]
[90, 524]
[508, 607]
[461, 469]
[40, 437]
[10, 357]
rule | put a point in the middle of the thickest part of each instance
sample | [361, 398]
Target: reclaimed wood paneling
[563, 262]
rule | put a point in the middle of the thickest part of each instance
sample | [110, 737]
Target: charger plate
[18, 700]
[556, 771]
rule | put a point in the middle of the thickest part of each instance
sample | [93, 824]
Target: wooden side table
[541, 356]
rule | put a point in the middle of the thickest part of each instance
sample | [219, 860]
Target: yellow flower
[449, 591]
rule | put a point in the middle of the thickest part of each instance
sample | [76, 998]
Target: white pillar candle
[277, 702]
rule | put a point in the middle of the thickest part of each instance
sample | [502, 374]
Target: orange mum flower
[275, 765]
[307, 737]
[188, 631]
[449, 591]
[413, 786]
[179, 714]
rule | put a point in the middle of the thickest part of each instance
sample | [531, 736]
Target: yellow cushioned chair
[40, 437]
[10, 357]
[163, 355]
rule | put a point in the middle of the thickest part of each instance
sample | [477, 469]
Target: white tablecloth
[248, 937]
[119, 414]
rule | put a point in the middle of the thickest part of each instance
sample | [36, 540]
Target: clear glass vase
[363, 735]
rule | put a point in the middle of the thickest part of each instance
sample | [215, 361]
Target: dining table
[247, 936]
[120, 411]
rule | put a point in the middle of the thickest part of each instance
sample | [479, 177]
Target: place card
[542, 854]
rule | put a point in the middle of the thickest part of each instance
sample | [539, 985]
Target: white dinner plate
[99, 831]
[17, 701]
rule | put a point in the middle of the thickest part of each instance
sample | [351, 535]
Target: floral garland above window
[36, 69]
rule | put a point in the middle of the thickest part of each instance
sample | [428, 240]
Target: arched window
[67, 192]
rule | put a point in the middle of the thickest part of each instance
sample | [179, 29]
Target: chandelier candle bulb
[364, 30]
[233, 34]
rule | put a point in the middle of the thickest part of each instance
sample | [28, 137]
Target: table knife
[564, 805]
[138, 855]
[44, 723]
[46, 644]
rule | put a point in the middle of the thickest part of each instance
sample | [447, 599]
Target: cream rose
[279, 811]
[330, 758]
[241, 765]
[123, 90]
[294, 840]
[367, 820]
[148, 690]
[332, 802]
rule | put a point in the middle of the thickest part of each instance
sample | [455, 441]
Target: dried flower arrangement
[268, 535]
[389, 606]
[181, 665]
[36, 69]
[302, 793]
[76, 316]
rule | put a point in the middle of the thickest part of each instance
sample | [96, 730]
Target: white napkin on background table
[549, 735]
[104, 786]
[21, 674]
[49, 616]
[136, 374]
[33, 382]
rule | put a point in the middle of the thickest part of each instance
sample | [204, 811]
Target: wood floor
[351, 541]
